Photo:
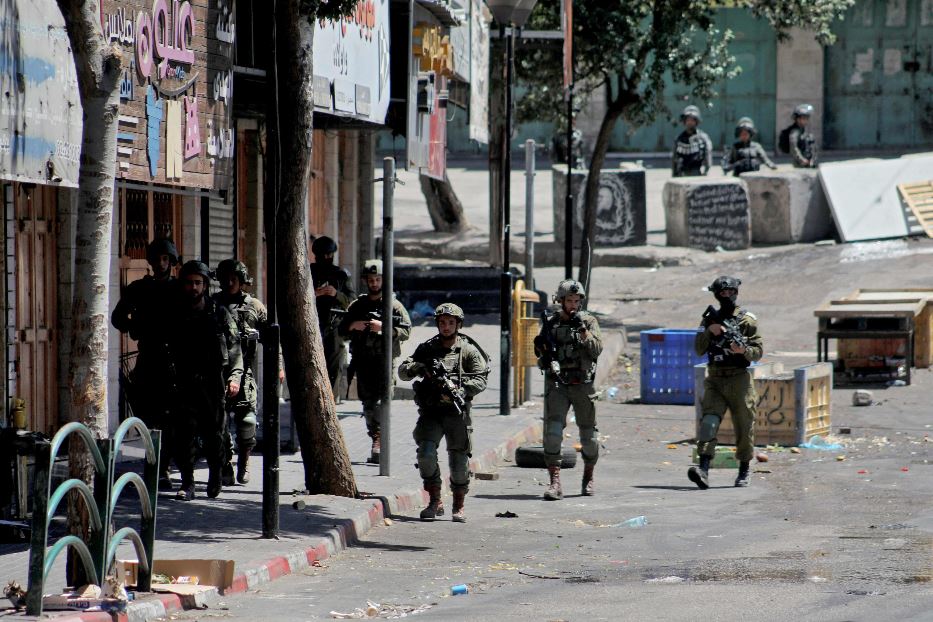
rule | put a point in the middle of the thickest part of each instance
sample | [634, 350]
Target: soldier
[206, 353]
[693, 150]
[143, 312]
[745, 154]
[362, 325]
[800, 141]
[333, 292]
[729, 337]
[567, 349]
[453, 370]
[250, 315]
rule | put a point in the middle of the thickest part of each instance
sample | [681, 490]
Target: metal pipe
[529, 241]
[270, 339]
[568, 200]
[388, 299]
[505, 294]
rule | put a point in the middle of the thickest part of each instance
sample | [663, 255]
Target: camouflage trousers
[732, 390]
[558, 399]
[458, 431]
[199, 424]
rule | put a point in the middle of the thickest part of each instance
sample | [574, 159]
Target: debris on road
[375, 610]
[861, 397]
[638, 521]
[536, 576]
[299, 505]
[486, 476]
[840, 458]
[794, 450]
[506, 514]
[761, 457]
[671, 579]
[387, 521]
[823, 444]
[458, 590]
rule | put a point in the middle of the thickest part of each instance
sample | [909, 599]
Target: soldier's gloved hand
[737, 348]
[233, 387]
[418, 369]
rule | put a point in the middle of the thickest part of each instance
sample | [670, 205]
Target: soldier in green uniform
[453, 370]
[362, 325]
[567, 348]
[730, 339]
[143, 312]
[250, 315]
[693, 150]
[206, 354]
[800, 140]
[333, 292]
[745, 155]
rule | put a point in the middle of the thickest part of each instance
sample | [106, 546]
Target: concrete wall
[717, 207]
[800, 80]
[788, 207]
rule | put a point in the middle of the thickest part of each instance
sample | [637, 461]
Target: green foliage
[629, 48]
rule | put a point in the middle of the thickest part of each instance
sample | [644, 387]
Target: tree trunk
[496, 139]
[326, 461]
[99, 67]
[444, 207]
[591, 196]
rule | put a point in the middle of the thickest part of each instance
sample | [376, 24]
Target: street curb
[346, 533]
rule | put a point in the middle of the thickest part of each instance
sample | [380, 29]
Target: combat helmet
[725, 282]
[449, 308]
[745, 123]
[323, 245]
[569, 286]
[232, 266]
[691, 111]
[159, 247]
[803, 110]
[372, 266]
[196, 267]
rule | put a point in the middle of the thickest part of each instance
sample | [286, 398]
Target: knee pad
[427, 459]
[553, 428]
[709, 427]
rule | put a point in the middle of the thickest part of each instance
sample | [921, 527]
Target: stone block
[707, 213]
[788, 207]
[621, 218]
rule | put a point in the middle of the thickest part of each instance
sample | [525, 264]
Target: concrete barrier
[788, 207]
[620, 215]
[707, 213]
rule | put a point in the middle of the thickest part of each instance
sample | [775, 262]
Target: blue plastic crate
[667, 361]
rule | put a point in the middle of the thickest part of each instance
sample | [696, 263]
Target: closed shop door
[879, 77]
[222, 240]
[36, 361]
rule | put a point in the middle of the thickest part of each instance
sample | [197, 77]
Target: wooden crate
[792, 406]
[923, 325]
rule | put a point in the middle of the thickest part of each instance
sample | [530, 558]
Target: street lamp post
[509, 14]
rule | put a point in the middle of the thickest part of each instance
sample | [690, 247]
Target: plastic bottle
[456, 590]
[612, 392]
[638, 521]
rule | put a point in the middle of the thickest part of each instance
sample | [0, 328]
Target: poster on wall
[351, 63]
[479, 72]
[41, 119]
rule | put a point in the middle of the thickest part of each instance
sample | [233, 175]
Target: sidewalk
[229, 527]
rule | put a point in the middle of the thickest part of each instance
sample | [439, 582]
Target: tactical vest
[691, 151]
[720, 355]
[576, 366]
[747, 159]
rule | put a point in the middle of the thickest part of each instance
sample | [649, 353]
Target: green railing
[97, 555]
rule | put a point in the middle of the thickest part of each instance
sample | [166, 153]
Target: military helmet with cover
[449, 308]
[232, 266]
[159, 247]
[569, 286]
[372, 266]
[196, 267]
[323, 245]
[691, 111]
[725, 282]
[803, 110]
[745, 123]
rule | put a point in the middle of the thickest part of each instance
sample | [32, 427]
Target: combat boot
[165, 482]
[186, 491]
[435, 505]
[742, 480]
[700, 475]
[226, 474]
[214, 482]
[589, 484]
[242, 467]
[554, 492]
[458, 516]
[376, 449]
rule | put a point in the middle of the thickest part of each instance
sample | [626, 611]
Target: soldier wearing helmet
[567, 348]
[362, 326]
[208, 366]
[144, 312]
[745, 155]
[251, 316]
[801, 143]
[693, 150]
[452, 369]
[333, 293]
[729, 337]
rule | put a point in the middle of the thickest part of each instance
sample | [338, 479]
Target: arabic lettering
[119, 27]
[225, 24]
[159, 37]
[192, 131]
[223, 86]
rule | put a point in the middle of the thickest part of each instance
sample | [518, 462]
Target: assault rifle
[731, 331]
[436, 370]
[372, 315]
[546, 345]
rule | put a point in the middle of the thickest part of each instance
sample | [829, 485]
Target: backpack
[784, 139]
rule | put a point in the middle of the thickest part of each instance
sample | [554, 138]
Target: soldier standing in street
[730, 339]
[362, 325]
[745, 155]
[250, 316]
[143, 312]
[453, 370]
[332, 291]
[800, 141]
[567, 348]
[693, 150]
[207, 357]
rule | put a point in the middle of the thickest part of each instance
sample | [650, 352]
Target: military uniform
[466, 367]
[368, 355]
[728, 386]
[802, 147]
[745, 156]
[207, 357]
[329, 274]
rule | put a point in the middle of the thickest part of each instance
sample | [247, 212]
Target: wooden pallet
[919, 198]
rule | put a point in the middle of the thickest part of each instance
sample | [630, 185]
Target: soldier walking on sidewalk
[332, 292]
[453, 370]
[730, 339]
[567, 348]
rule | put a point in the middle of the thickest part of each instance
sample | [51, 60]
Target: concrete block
[788, 207]
[707, 213]
[621, 217]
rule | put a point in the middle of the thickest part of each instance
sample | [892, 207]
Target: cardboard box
[216, 573]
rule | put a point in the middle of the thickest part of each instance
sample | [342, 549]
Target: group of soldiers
[692, 155]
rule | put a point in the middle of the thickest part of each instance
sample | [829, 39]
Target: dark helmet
[159, 247]
[803, 110]
[323, 246]
[232, 266]
[691, 111]
[745, 123]
[196, 267]
[725, 282]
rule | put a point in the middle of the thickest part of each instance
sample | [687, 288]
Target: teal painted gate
[879, 77]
